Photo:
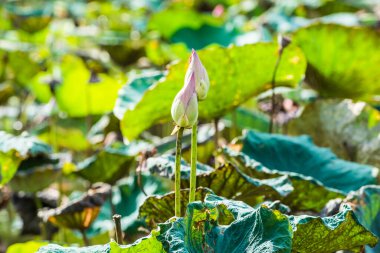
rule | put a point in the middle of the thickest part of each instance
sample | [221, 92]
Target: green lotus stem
[193, 172]
[178, 173]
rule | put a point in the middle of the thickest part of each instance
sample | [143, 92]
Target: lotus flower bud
[185, 105]
[202, 83]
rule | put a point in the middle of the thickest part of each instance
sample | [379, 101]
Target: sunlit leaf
[366, 205]
[76, 93]
[15, 149]
[26, 247]
[329, 234]
[341, 60]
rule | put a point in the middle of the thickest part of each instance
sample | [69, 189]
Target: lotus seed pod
[202, 83]
[185, 105]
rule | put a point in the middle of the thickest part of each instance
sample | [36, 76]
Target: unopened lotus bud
[185, 105]
[202, 83]
[283, 42]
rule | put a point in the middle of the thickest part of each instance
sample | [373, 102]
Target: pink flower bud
[185, 105]
[202, 83]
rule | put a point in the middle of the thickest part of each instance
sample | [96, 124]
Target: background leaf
[341, 60]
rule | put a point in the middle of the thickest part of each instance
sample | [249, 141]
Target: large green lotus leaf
[308, 194]
[76, 95]
[342, 231]
[300, 155]
[341, 60]
[351, 129]
[254, 230]
[160, 208]
[133, 91]
[26, 247]
[168, 21]
[366, 205]
[111, 163]
[15, 149]
[226, 181]
[234, 78]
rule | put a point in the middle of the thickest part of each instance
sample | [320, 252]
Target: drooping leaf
[111, 163]
[329, 234]
[15, 149]
[350, 129]
[80, 213]
[317, 194]
[341, 60]
[254, 230]
[133, 91]
[300, 155]
[245, 76]
[158, 209]
[366, 205]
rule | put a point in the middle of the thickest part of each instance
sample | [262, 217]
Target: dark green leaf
[254, 230]
[300, 155]
[307, 193]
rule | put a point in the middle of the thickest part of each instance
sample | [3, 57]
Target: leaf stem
[216, 136]
[119, 232]
[271, 123]
[84, 237]
[193, 172]
[178, 172]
